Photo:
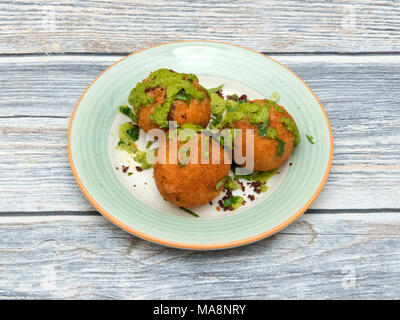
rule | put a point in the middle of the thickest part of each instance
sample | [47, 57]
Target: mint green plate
[92, 156]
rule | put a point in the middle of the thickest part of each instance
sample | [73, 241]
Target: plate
[133, 202]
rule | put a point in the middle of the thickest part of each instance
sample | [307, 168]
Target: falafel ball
[267, 153]
[178, 95]
[191, 184]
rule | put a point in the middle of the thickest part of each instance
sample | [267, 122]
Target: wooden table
[53, 244]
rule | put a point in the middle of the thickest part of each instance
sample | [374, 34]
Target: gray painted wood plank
[360, 95]
[322, 256]
[268, 26]
[36, 175]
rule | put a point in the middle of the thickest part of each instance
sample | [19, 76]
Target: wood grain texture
[360, 95]
[270, 26]
[319, 256]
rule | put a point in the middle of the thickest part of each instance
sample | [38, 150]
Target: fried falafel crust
[198, 112]
[265, 149]
[191, 185]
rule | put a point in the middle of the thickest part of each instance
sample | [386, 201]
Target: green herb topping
[145, 159]
[189, 211]
[255, 113]
[215, 90]
[128, 134]
[262, 176]
[128, 112]
[272, 133]
[281, 148]
[175, 84]
[234, 201]
[218, 104]
[279, 108]
[174, 133]
[310, 138]
[226, 112]
[263, 128]
[215, 120]
[291, 126]
[219, 184]
[182, 95]
[230, 184]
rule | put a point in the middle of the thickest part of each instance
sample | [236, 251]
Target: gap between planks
[381, 58]
[300, 53]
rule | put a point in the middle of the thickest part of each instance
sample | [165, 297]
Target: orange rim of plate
[183, 245]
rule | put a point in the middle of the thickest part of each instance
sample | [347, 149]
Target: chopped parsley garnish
[182, 95]
[130, 173]
[128, 112]
[219, 184]
[231, 200]
[262, 176]
[281, 148]
[215, 120]
[145, 159]
[234, 201]
[128, 134]
[230, 184]
[263, 128]
[149, 143]
[215, 90]
[133, 132]
[310, 138]
[189, 211]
